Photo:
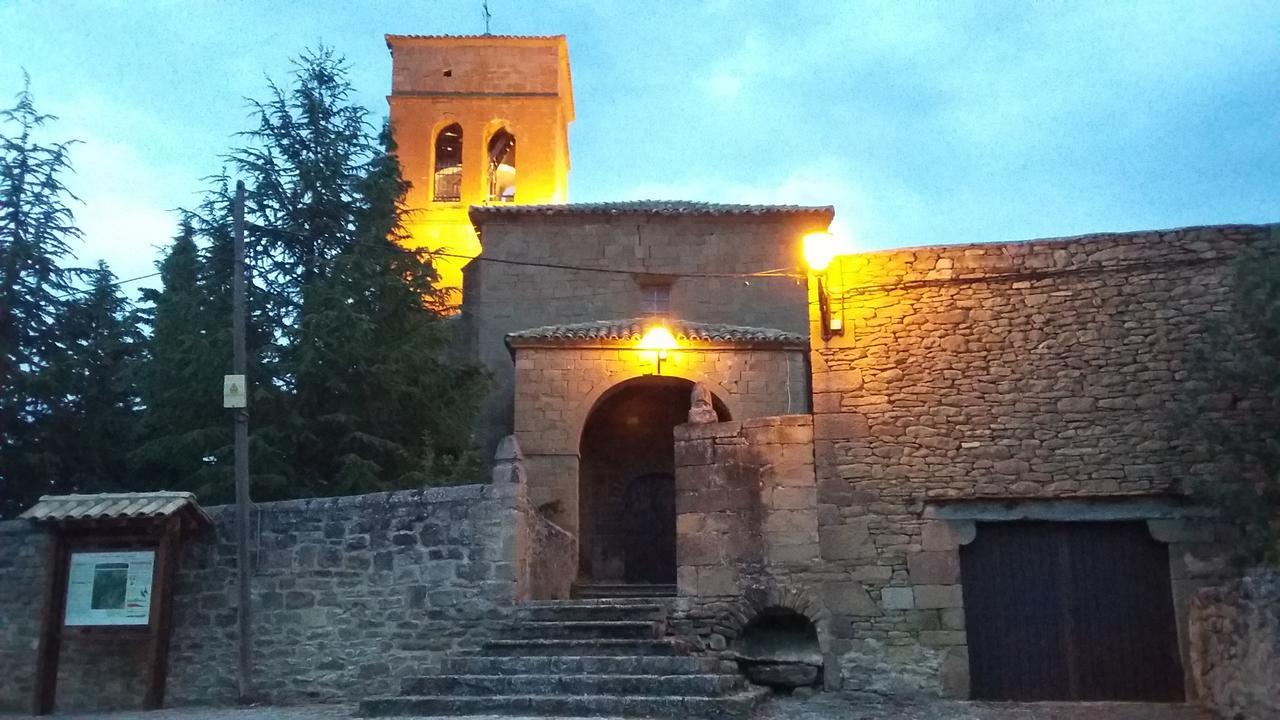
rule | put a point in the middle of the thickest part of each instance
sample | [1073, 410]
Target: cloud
[724, 85]
[127, 190]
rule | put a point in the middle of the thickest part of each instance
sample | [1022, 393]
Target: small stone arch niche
[779, 648]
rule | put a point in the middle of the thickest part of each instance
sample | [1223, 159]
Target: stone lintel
[1094, 509]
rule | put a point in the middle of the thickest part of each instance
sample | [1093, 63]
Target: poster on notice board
[110, 588]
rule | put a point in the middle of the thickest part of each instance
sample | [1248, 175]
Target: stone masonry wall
[504, 298]
[24, 559]
[350, 595]
[747, 532]
[1028, 373]
[1235, 646]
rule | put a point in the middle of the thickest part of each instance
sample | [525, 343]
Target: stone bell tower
[478, 120]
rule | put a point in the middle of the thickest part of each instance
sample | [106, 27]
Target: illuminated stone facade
[1039, 381]
[555, 308]
[451, 96]
[558, 384]
[697, 252]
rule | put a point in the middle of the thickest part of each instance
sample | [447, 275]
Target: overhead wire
[771, 273]
[760, 274]
[117, 283]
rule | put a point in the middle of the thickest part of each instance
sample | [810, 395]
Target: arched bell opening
[502, 166]
[626, 481]
[779, 647]
[447, 178]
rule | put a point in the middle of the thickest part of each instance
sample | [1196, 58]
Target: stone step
[584, 630]
[700, 685]
[579, 648]
[622, 601]
[585, 665]
[622, 590]
[568, 610]
[731, 707]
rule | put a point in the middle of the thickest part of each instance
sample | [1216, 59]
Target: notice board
[110, 588]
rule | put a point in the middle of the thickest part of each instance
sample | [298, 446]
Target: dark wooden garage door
[1070, 611]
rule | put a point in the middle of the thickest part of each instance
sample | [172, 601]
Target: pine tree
[303, 164]
[350, 386]
[382, 400]
[36, 231]
[90, 423]
[180, 376]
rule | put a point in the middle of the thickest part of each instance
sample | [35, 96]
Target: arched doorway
[626, 483]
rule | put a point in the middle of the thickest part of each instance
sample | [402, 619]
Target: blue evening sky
[922, 123]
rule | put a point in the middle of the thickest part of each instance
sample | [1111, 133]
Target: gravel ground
[825, 706]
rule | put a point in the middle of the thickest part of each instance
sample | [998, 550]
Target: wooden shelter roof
[115, 506]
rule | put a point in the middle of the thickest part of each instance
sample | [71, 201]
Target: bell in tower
[460, 108]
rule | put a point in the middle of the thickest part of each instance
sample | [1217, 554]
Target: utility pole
[241, 411]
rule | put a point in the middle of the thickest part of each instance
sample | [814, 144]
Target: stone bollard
[701, 410]
[508, 462]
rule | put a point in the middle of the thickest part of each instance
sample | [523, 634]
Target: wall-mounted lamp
[820, 248]
[658, 340]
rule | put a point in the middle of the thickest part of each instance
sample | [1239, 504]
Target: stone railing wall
[747, 530]
[546, 555]
[1235, 647]
[549, 556]
[350, 595]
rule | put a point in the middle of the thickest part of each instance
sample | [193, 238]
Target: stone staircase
[595, 655]
[622, 591]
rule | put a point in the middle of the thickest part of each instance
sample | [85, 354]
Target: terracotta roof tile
[113, 506]
[390, 37]
[651, 207]
[631, 330]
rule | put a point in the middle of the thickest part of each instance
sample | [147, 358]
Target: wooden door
[650, 511]
[1070, 611]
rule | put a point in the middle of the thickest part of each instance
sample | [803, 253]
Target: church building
[558, 295]
[944, 470]
[727, 460]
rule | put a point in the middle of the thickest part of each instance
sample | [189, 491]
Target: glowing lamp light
[820, 248]
[660, 339]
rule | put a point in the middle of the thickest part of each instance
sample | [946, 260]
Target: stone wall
[548, 557]
[968, 384]
[350, 595]
[747, 532]
[24, 559]
[504, 298]
[1235, 647]
[1026, 372]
